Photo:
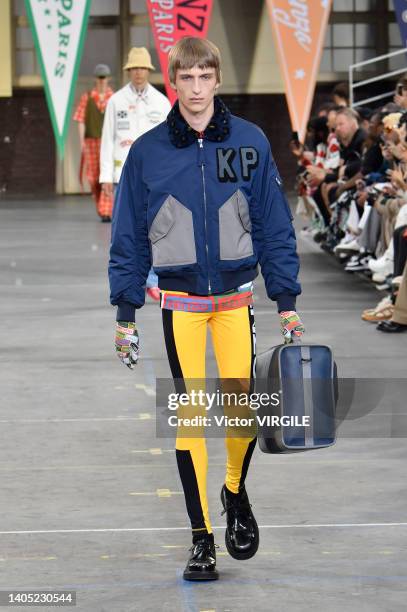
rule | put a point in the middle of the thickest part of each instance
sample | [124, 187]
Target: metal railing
[353, 84]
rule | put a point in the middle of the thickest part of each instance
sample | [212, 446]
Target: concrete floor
[90, 498]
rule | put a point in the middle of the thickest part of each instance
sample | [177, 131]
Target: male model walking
[131, 111]
[200, 197]
[89, 115]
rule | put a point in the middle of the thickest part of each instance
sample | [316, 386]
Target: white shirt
[129, 114]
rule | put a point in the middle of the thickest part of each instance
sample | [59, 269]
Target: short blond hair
[349, 113]
[192, 51]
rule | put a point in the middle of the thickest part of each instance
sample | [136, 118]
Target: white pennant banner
[59, 29]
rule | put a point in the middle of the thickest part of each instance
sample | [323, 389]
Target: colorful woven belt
[172, 300]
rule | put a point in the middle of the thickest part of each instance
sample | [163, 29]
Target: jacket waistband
[188, 282]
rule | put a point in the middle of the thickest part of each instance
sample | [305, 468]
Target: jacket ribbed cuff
[285, 301]
[126, 312]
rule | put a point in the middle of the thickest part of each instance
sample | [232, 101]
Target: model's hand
[290, 323]
[107, 189]
[127, 343]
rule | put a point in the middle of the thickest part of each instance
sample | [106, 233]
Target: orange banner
[299, 28]
[172, 20]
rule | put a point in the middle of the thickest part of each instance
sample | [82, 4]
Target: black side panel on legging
[171, 347]
[191, 490]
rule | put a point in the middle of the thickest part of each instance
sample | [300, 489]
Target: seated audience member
[379, 199]
[333, 183]
[352, 139]
[322, 156]
[359, 188]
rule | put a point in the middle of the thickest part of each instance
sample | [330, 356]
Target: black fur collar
[182, 135]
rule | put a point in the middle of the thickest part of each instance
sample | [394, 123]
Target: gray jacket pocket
[172, 235]
[235, 241]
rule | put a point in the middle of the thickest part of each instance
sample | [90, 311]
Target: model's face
[139, 77]
[196, 88]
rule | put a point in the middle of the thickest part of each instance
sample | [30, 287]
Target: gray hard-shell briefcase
[303, 378]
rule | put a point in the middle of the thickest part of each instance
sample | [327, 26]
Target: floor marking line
[113, 466]
[140, 529]
[313, 311]
[94, 467]
[145, 416]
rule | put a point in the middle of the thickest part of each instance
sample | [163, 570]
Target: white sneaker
[358, 265]
[353, 245]
[340, 244]
[384, 266]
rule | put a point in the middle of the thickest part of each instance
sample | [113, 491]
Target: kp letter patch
[229, 160]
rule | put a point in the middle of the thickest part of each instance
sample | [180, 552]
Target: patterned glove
[290, 324]
[127, 343]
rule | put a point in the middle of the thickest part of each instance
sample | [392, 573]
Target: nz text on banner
[59, 29]
[172, 20]
[299, 28]
[400, 8]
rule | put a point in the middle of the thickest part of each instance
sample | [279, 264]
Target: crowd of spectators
[352, 189]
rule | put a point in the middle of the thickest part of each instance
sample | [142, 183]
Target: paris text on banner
[59, 30]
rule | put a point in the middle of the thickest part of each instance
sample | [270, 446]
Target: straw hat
[138, 57]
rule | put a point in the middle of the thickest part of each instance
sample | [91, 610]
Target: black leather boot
[242, 532]
[202, 562]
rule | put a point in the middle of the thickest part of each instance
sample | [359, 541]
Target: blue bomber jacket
[204, 209]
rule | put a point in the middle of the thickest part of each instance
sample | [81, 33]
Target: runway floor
[90, 497]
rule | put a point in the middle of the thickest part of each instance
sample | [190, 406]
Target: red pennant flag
[299, 28]
[172, 20]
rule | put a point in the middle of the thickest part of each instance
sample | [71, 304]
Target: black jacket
[352, 154]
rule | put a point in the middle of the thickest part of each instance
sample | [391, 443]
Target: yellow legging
[233, 337]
